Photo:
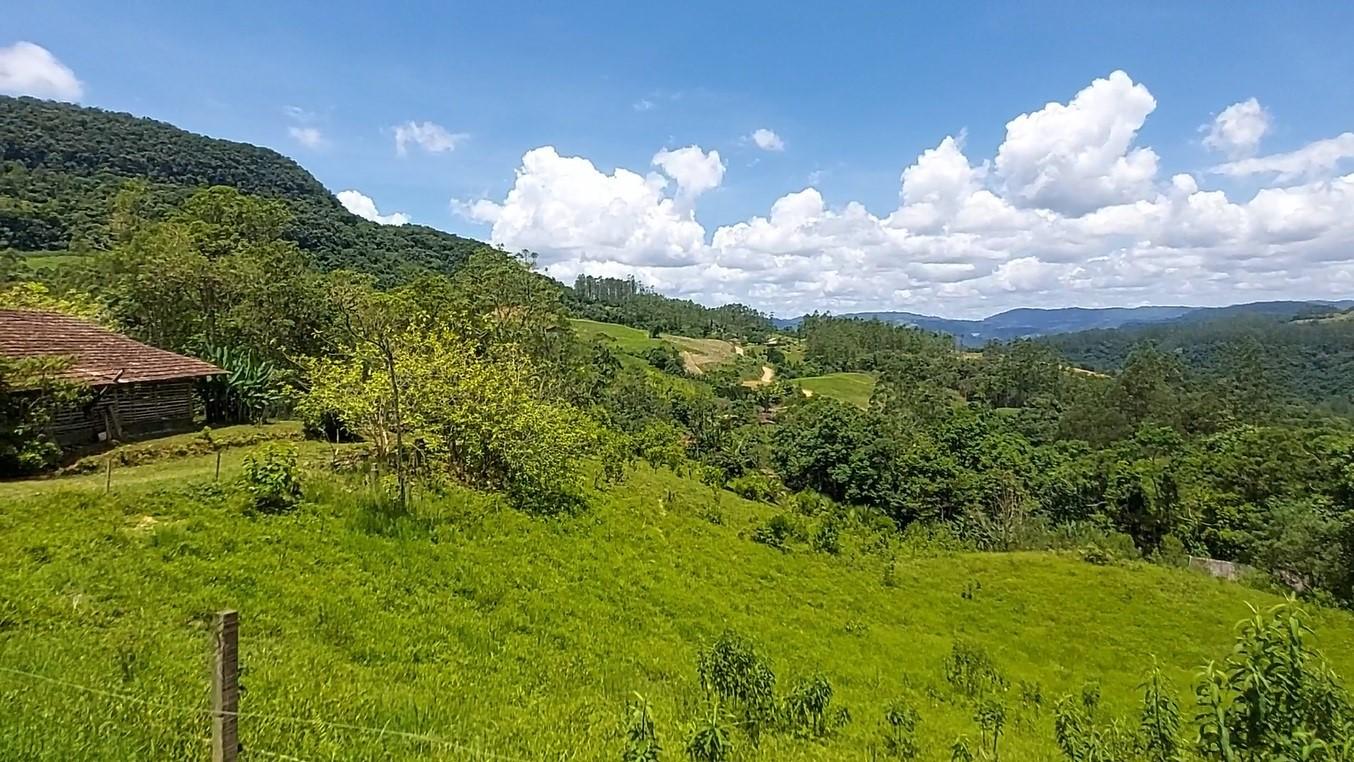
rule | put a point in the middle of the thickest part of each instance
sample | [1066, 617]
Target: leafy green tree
[734, 673]
[215, 272]
[477, 419]
[1274, 697]
[1159, 725]
[31, 392]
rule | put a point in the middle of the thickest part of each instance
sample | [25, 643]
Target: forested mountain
[62, 165]
[1031, 322]
[1309, 358]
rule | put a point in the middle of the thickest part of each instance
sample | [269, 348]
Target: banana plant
[251, 389]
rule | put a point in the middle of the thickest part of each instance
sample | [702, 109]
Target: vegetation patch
[851, 388]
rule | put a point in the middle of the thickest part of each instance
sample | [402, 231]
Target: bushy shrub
[812, 503]
[271, 478]
[1274, 697]
[1111, 548]
[666, 358]
[807, 711]
[754, 486]
[1171, 552]
[828, 537]
[776, 532]
[900, 732]
[736, 675]
[31, 392]
[972, 673]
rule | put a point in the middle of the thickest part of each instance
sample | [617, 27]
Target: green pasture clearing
[51, 260]
[853, 388]
[625, 338]
[698, 354]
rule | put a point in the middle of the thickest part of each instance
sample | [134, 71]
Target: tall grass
[462, 627]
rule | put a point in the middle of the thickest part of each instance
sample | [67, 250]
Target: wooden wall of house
[127, 411]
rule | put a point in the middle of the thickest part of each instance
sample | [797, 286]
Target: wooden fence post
[108, 476]
[226, 688]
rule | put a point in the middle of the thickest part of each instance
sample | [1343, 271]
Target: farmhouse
[135, 389]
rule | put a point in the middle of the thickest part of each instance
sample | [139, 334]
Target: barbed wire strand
[271, 754]
[457, 746]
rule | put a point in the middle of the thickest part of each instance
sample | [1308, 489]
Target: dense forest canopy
[1308, 354]
[628, 302]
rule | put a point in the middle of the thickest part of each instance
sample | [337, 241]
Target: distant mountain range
[1030, 322]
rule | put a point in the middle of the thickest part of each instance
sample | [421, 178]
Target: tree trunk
[400, 477]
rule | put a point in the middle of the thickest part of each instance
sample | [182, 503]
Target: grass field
[51, 260]
[853, 388]
[504, 636]
[626, 339]
[698, 354]
[168, 460]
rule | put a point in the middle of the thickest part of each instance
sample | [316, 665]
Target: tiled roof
[98, 356]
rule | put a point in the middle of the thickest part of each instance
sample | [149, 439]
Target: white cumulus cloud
[1238, 129]
[573, 213]
[1079, 156]
[29, 69]
[1068, 211]
[365, 207]
[694, 170]
[767, 140]
[430, 136]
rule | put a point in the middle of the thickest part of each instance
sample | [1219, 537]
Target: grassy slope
[168, 459]
[698, 353]
[625, 338]
[524, 636]
[45, 260]
[702, 353]
[854, 388]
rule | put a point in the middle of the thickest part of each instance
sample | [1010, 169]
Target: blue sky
[855, 93]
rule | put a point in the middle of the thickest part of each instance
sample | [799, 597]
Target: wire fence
[459, 746]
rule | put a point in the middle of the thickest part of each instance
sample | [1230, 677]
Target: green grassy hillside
[853, 388]
[697, 354]
[504, 636]
[622, 337]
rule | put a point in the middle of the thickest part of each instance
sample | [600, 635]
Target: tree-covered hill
[628, 302]
[1309, 358]
[62, 165]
